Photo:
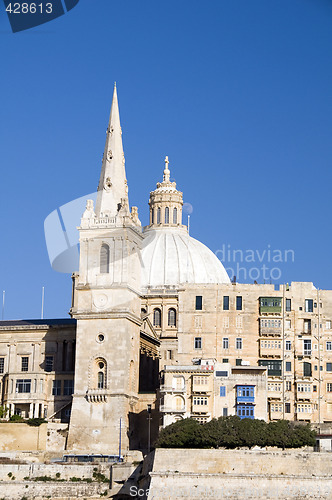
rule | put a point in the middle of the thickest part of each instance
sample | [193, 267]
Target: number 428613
[32, 8]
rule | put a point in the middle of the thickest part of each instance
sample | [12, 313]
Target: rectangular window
[226, 322]
[221, 373]
[225, 360]
[288, 345]
[288, 366]
[239, 303]
[49, 363]
[288, 305]
[56, 388]
[2, 365]
[223, 391]
[245, 391]
[224, 412]
[314, 388]
[309, 305]
[238, 362]
[245, 411]
[329, 387]
[307, 325]
[329, 345]
[329, 367]
[200, 400]
[328, 325]
[307, 347]
[307, 372]
[288, 324]
[68, 387]
[23, 385]
[238, 343]
[24, 364]
[198, 342]
[199, 303]
[225, 343]
[273, 367]
[226, 303]
[288, 385]
[287, 407]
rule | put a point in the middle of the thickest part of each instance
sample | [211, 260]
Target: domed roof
[171, 257]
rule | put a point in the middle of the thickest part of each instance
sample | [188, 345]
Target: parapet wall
[233, 474]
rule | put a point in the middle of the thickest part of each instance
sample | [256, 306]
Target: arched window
[171, 317]
[175, 216]
[104, 259]
[158, 216]
[100, 380]
[166, 215]
[152, 216]
[157, 317]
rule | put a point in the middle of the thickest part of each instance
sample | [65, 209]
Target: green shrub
[233, 432]
[36, 422]
[3, 411]
[16, 418]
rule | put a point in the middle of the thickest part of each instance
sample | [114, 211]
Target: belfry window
[175, 216]
[152, 216]
[166, 215]
[99, 373]
[157, 317]
[171, 317]
[158, 215]
[104, 259]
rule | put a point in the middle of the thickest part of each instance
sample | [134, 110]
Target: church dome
[171, 257]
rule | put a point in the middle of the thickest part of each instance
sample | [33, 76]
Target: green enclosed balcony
[270, 305]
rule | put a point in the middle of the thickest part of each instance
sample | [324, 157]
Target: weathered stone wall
[39, 491]
[234, 474]
[33, 470]
[18, 481]
[17, 437]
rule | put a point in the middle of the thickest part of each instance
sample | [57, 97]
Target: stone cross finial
[166, 171]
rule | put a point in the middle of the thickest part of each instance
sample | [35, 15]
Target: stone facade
[212, 389]
[37, 359]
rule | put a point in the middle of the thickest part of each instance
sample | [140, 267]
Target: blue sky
[237, 93]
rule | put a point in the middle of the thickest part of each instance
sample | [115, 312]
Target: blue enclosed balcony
[245, 411]
[245, 394]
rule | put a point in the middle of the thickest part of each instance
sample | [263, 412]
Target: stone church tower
[107, 307]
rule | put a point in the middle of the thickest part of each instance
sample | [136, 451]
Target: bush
[233, 432]
[16, 418]
[185, 433]
[3, 411]
[36, 422]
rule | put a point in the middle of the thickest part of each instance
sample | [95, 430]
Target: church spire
[112, 190]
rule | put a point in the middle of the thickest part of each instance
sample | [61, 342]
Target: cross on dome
[167, 172]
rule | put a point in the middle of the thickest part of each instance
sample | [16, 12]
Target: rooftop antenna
[42, 304]
[3, 304]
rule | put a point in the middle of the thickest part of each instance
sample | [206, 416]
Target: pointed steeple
[112, 190]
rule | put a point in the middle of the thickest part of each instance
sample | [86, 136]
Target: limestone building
[156, 321]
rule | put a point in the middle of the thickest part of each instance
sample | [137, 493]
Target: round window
[101, 365]
[101, 337]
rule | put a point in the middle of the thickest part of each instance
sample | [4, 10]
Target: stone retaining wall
[232, 474]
